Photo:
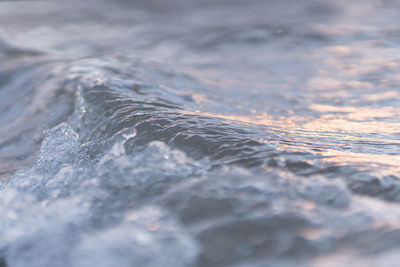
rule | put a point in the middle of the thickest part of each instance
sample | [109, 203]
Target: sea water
[199, 133]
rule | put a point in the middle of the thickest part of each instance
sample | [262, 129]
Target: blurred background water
[199, 133]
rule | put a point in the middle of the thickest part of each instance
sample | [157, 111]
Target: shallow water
[199, 133]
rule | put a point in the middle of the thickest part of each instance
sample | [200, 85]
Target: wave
[134, 173]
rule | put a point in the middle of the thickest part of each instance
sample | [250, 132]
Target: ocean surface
[199, 133]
